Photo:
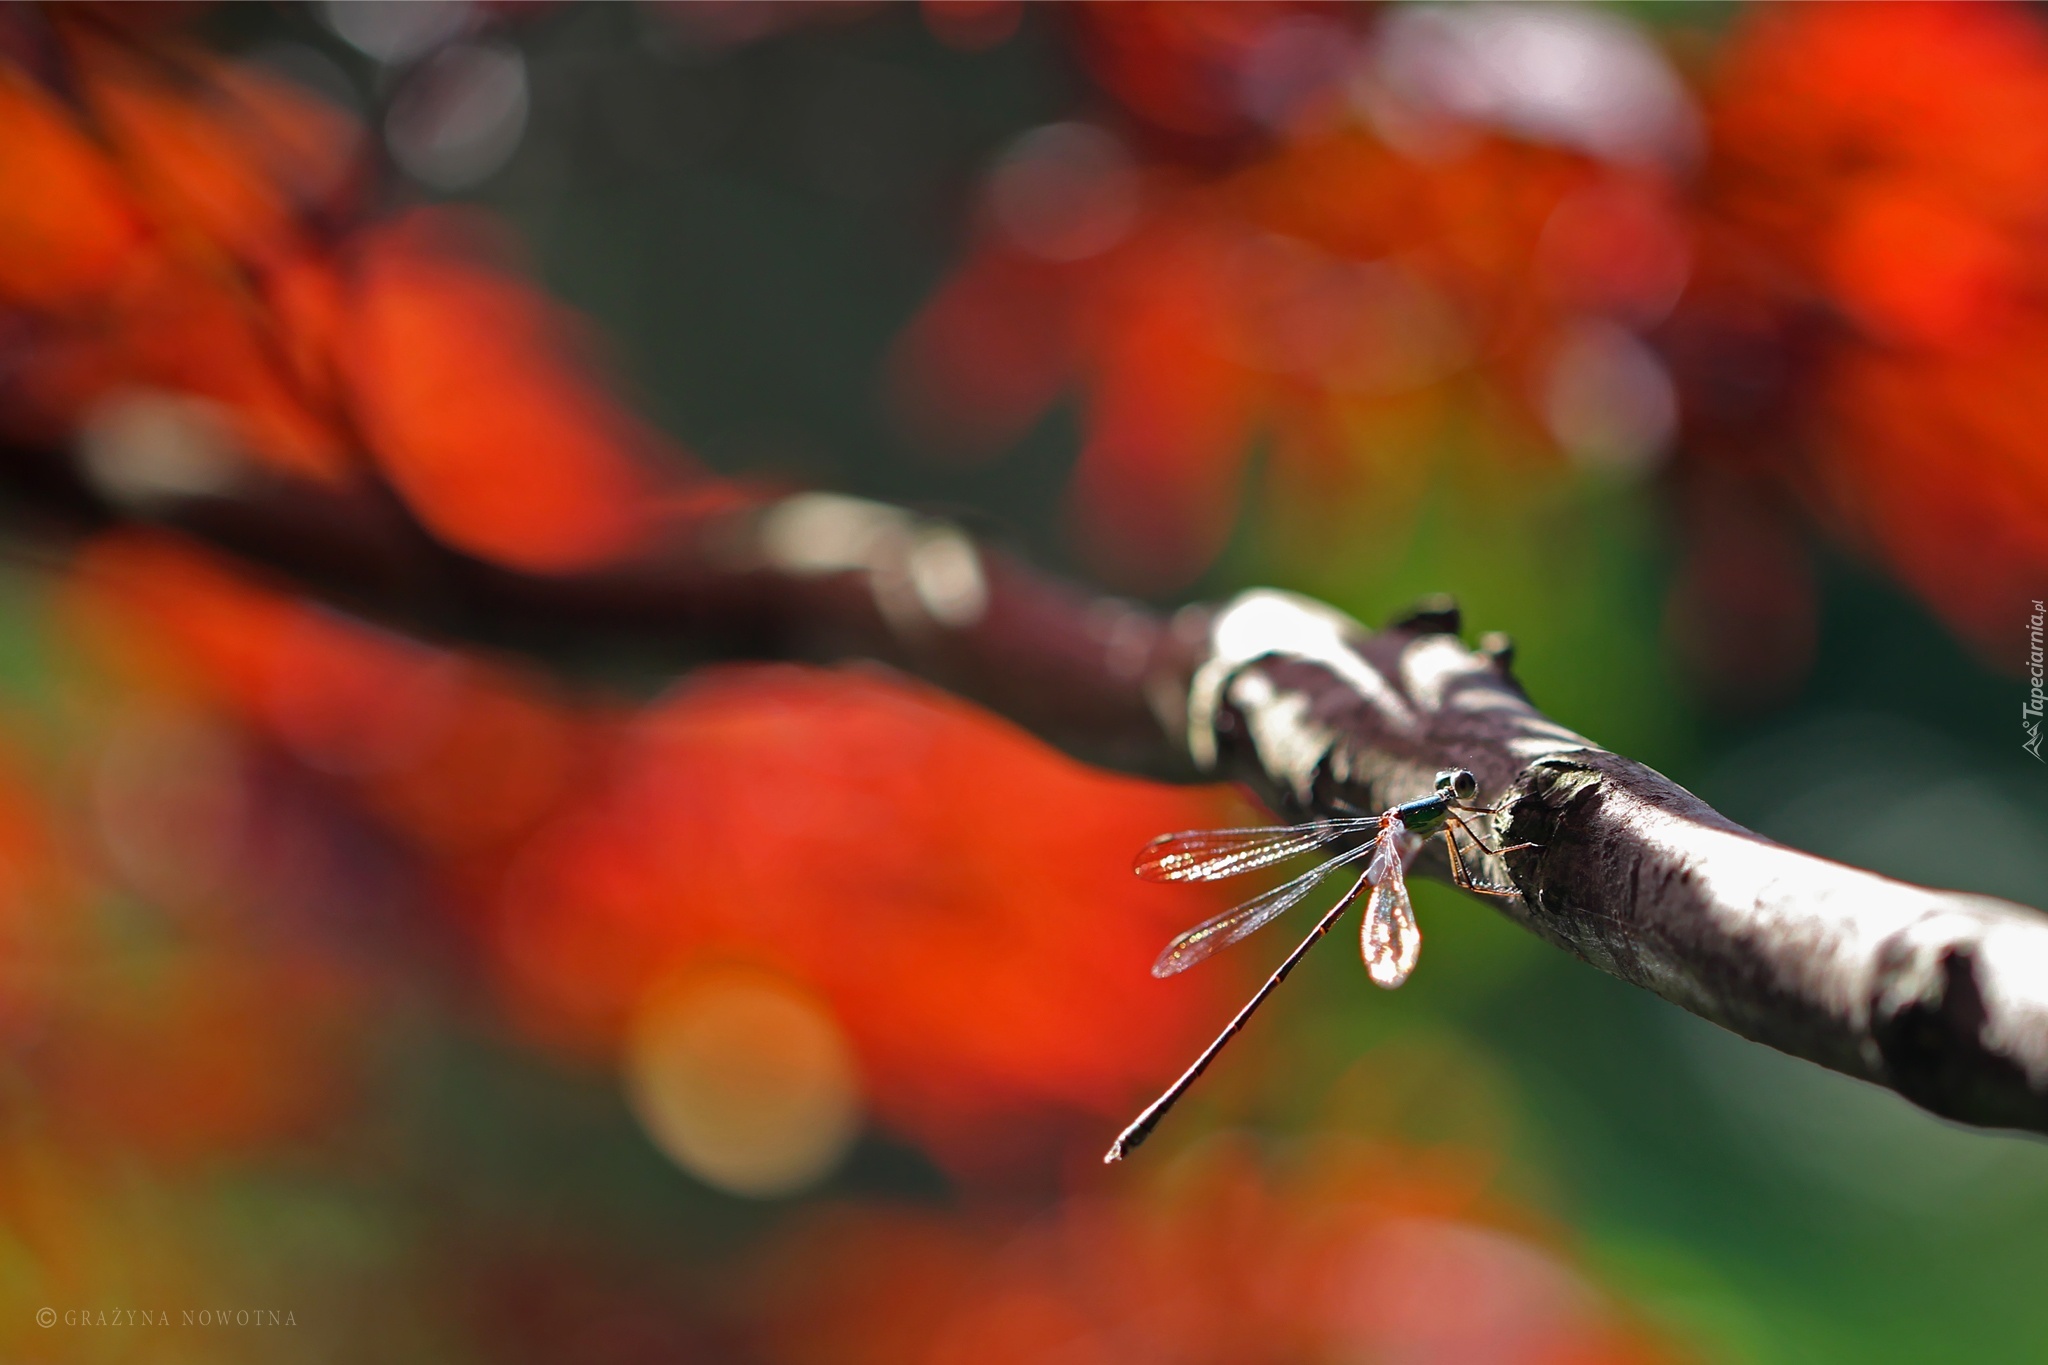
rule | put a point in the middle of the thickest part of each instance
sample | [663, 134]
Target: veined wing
[1207, 855]
[1390, 939]
[1238, 921]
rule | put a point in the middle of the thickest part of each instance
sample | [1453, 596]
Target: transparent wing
[1207, 855]
[1238, 921]
[1390, 939]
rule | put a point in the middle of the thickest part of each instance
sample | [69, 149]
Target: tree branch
[1940, 996]
[733, 574]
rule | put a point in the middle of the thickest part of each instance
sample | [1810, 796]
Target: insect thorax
[1424, 815]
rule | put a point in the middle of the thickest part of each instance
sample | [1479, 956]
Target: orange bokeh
[189, 185]
[188, 244]
[1847, 295]
[985, 949]
[984, 945]
[1329, 297]
[1891, 211]
[69, 224]
[1344, 1252]
[281, 811]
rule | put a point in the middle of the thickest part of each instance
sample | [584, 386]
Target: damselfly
[1389, 938]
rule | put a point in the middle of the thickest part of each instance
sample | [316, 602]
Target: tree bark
[1941, 996]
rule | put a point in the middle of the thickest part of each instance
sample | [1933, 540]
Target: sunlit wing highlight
[1207, 855]
[1389, 939]
[1238, 921]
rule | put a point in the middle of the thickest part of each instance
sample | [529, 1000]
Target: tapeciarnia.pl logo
[2030, 712]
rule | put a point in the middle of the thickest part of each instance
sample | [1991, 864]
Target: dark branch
[1941, 996]
[733, 576]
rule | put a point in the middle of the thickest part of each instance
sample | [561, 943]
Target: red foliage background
[197, 251]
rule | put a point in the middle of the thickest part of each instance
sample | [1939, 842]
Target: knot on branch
[1436, 614]
[1549, 807]
[1934, 1030]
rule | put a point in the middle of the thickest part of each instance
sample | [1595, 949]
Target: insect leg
[1464, 878]
[1469, 834]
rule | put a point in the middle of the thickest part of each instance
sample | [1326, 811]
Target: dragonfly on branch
[1389, 938]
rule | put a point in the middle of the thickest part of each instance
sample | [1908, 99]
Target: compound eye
[1464, 785]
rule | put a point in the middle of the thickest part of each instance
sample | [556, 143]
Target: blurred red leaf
[957, 893]
[220, 154]
[67, 226]
[1905, 196]
[1363, 1253]
[1328, 291]
[158, 246]
[502, 446]
[1181, 66]
[1170, 422]
[456, 756]
[987, 355]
